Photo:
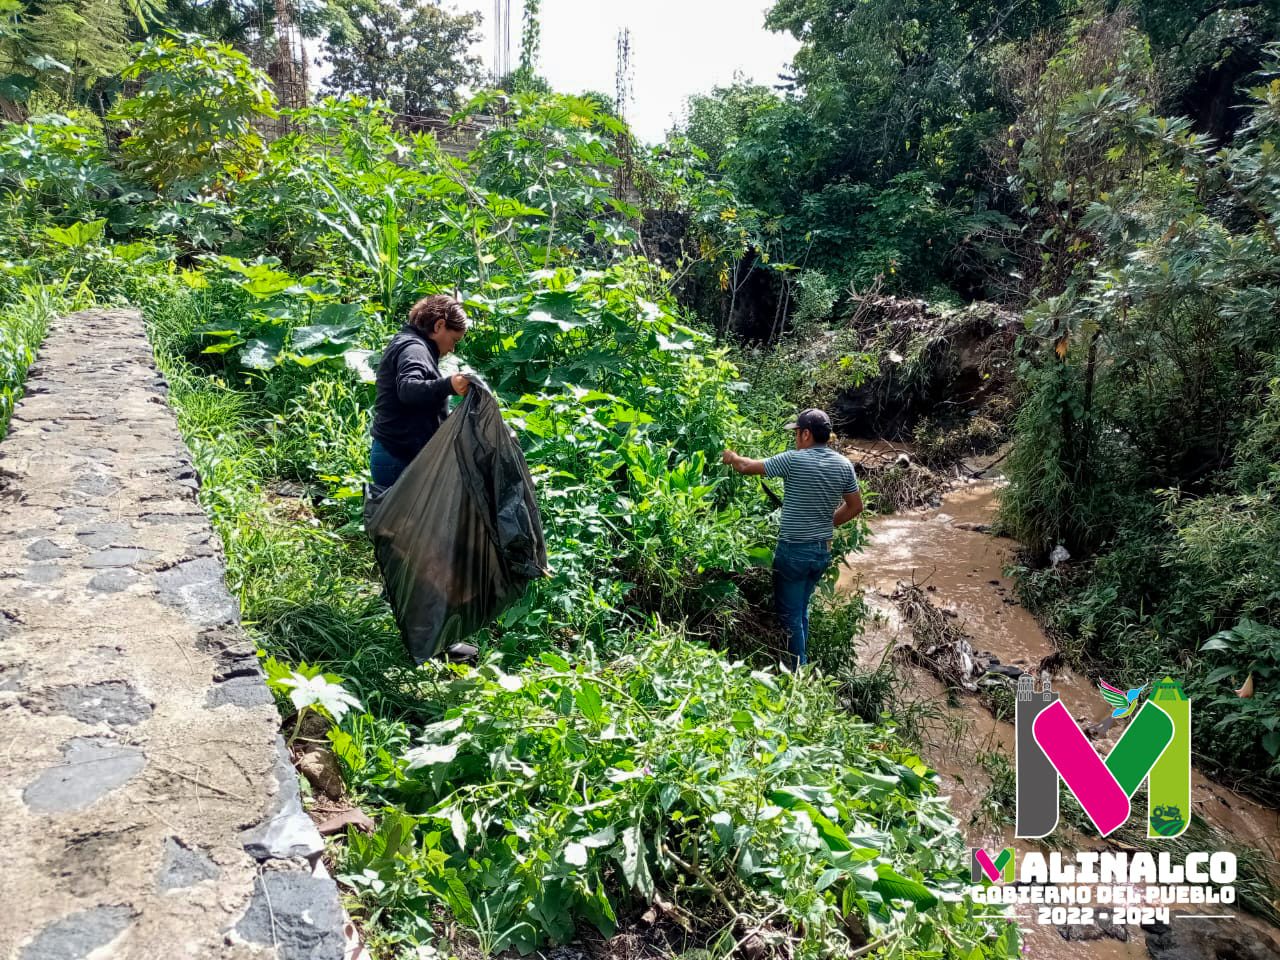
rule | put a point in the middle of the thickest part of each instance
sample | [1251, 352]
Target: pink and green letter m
[1155, 747]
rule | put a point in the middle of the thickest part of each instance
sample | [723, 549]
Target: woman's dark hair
[429, 311]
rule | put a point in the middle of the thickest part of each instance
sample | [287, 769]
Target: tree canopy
[416, 56]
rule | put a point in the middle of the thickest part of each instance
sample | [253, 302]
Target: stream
[948, 552]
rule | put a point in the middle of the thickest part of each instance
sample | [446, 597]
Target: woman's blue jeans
[797, 568]
[385, 466]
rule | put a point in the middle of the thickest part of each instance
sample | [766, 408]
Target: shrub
[566, 794]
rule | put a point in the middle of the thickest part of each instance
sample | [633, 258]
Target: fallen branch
[703, 879]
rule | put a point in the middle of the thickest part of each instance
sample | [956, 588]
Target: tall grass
[23, 325]
[308, 588]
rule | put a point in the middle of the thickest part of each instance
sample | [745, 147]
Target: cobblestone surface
[146, 803]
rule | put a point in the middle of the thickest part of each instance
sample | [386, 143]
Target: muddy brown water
[948, 552]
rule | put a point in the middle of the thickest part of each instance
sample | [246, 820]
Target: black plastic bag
[459, 536]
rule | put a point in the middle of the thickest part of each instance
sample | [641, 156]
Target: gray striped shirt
[815, 480]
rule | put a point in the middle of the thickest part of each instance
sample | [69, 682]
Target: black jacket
[413, 398]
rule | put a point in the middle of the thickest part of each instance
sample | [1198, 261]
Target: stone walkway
[147, 806]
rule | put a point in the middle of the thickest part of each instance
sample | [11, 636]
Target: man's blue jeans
[385, 466]
[797, 568]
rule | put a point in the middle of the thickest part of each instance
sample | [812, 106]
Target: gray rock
[297, 912]
[172, 518]
[1208, 940]
[240, 691]
[198, 589]
[92, 767]
[77, 935]
[79, 514]
[47, 550]
[1005, 670]
[113, 581]
[112, 701]
[11, 678]
[44, 573]
[183, 867]
[286, 831]
[101, 535]
[283, 837]
[118, 557]
[1098, 930]
[96, 484]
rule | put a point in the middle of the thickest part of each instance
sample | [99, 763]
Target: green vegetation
[412, 56]
[1109, 171]
[23, 323]
[1146, 443]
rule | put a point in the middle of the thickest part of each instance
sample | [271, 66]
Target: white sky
[678, 48]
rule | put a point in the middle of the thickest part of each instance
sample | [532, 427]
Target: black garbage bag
[459, 536]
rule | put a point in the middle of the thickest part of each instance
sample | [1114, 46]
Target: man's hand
[460, 384]
[743, 464]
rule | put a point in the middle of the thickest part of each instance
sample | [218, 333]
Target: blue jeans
[384, 465]
[797, 568]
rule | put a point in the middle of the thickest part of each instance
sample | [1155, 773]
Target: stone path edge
[146, 797]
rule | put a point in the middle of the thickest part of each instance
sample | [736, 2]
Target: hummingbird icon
[1124, 701]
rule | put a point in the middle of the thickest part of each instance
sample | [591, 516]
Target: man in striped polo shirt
[820, 493]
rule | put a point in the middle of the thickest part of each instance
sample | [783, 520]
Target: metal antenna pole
[622, 88]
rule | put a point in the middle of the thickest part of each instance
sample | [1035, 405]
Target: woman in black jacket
[413, 398]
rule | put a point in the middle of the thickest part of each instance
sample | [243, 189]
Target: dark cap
[813, 420]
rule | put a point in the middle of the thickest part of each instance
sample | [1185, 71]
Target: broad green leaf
[458, 827]
[828, 877]
[893, 886]
[308, 338]
[261, 353]
[554, 661]
[131, 252]
[78, 234]
[347, 749]
[318, 692]
[363, 363]
[635, 863]
[601, 838]
[564, 324]
[45, 63]
[506, 207]
[589, 702]
[431, 755]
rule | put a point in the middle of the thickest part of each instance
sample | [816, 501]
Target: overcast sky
[678, 47]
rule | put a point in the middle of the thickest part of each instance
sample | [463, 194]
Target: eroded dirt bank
[949, 553]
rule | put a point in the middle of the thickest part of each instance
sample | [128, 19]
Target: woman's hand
[460, 384]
